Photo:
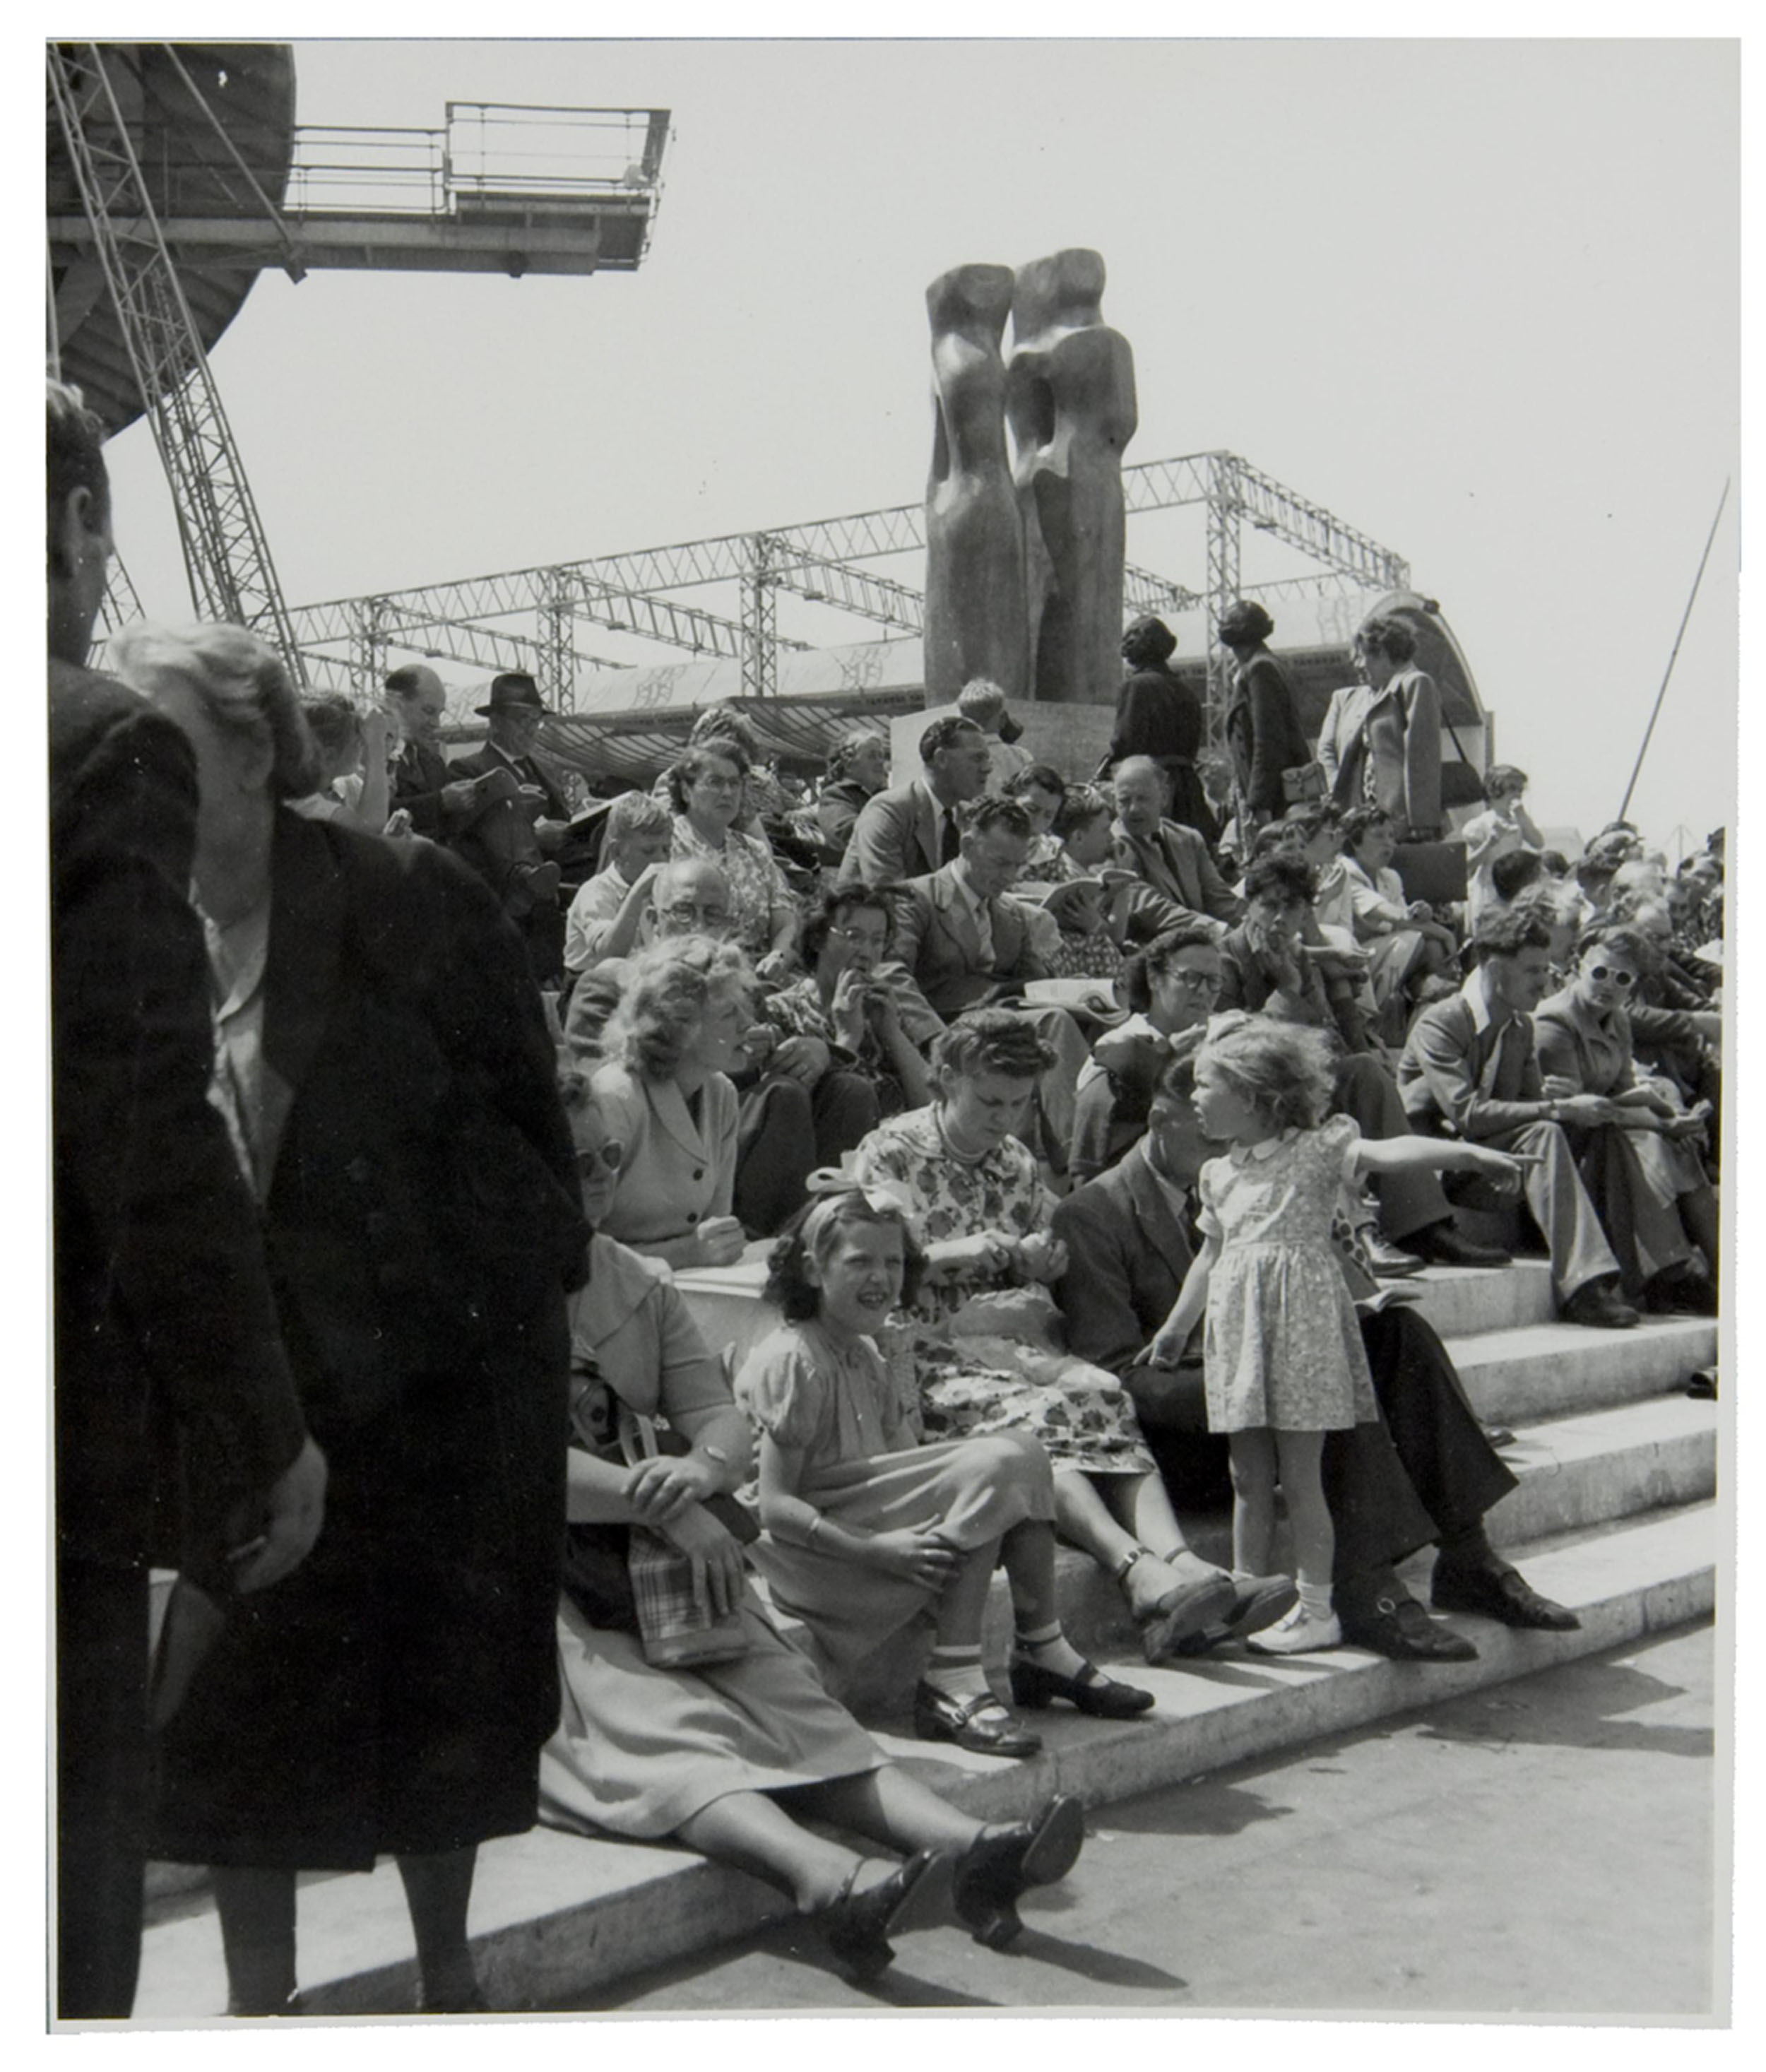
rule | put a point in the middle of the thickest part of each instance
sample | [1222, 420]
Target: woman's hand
[661, 1488]
[974, 1258]
[716, 1554]
[1040, 1256]
[718, 1241]
[1167, 1349]
[917, 1556]
[803, 1059]
[847, 1009]
[774, 967]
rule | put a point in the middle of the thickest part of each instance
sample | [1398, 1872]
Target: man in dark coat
[525, 876]
[167, 1340]
[1425, 1473]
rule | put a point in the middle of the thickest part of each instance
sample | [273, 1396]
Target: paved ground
[1544, 1848]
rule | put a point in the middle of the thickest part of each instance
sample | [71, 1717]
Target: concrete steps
[1613, 1516]
[556, 1917]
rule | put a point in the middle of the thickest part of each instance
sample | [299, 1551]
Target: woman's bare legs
[890, 1806]
[256, 1909]
[964, 1601]
[1108, 1518]
[755, 1833]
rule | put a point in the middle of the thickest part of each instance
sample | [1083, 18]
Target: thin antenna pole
[1656, 713]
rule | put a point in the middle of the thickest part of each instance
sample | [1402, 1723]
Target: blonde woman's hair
[242, 683]
[664, 1001]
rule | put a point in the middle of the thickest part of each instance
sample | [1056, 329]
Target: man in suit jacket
[958, 941]
[517, 868]
[1173, 859]
[425, 783]
[1426, 1472]
[1469, 1069]
[912, 830]
[1380, 742]
[166, 1328]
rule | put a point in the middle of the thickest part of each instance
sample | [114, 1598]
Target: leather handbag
[1303, 783]
[1460, 783]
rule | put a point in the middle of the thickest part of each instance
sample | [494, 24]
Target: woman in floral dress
[984, 1335]
[705, 789]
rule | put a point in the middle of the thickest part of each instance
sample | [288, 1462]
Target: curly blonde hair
[1280, 1069]
[665, 998]
[243, 685]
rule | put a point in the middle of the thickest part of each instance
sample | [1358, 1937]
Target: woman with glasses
[1641, 1163]
[705, 790]
[846, 1001]
[1171, 989]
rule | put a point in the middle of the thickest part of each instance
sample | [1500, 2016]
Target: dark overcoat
[423, 1225]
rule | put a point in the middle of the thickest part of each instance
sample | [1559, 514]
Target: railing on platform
[489, 155]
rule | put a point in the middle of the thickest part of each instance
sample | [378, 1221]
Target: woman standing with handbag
[1380, 742]
[1262, 727]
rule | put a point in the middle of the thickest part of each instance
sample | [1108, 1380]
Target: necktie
[950, 843]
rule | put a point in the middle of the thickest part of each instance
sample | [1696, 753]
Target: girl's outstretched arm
[1441, 1154]
[1167, 1349]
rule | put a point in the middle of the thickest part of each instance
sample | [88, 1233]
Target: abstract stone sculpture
[1070, 397]
[977, 621]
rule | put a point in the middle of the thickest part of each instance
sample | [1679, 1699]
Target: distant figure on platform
[531, 878]
[1263, 725]
[983, 705]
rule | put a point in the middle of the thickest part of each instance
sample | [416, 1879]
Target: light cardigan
[673, 1175]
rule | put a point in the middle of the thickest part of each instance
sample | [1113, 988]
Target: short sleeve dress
[1283, 1348]
[857, 1427]
[1083, 1417]
[638, 1749]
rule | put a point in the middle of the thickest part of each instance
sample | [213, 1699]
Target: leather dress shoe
[1195, 1608]
[996, 1869]
[981, 1724]
[1388, 1261]
[1399, 1628]
[1442, 1245]
[1692, 1294]
[857, 1927]
[1090, 1691]
[1259, 1601]
[1598, 1304]
[1498, 1593]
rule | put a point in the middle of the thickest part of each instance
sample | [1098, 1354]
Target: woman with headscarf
[1158, 715]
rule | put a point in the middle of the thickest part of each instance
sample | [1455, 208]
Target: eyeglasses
[1624, 980]
[711, 916]
[1197, 981]
[608, 1158]
[861, 941]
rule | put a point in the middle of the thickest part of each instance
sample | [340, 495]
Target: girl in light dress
[870, 1527]
[1283, 1356]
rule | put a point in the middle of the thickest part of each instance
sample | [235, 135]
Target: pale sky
[1479, 299]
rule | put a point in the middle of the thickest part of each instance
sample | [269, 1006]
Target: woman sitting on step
[870, 1528]
[731, 1758]
[988, 1354]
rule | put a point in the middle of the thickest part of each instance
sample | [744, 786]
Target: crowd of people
[1095, 1123]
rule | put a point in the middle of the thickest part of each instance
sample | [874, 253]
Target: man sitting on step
[1424, 1473]
[1469, 1070]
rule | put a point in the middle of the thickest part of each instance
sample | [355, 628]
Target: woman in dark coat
[1158, 715]
[384, 1064]
[1263, 731]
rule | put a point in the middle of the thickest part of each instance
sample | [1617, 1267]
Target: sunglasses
[609, 1158]
[1624, 980]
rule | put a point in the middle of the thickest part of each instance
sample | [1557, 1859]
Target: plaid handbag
[628, 1579]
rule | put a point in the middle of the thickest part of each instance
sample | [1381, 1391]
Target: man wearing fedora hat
[530, 888]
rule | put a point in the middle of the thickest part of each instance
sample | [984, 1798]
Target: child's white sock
[1315, 1600]
[956, 1672]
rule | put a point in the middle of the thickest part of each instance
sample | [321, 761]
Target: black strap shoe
[995, 1870]
[857, 1927]
[1090, 1691]
[981, 1724]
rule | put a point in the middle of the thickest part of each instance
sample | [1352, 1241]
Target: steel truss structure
[529, 617]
